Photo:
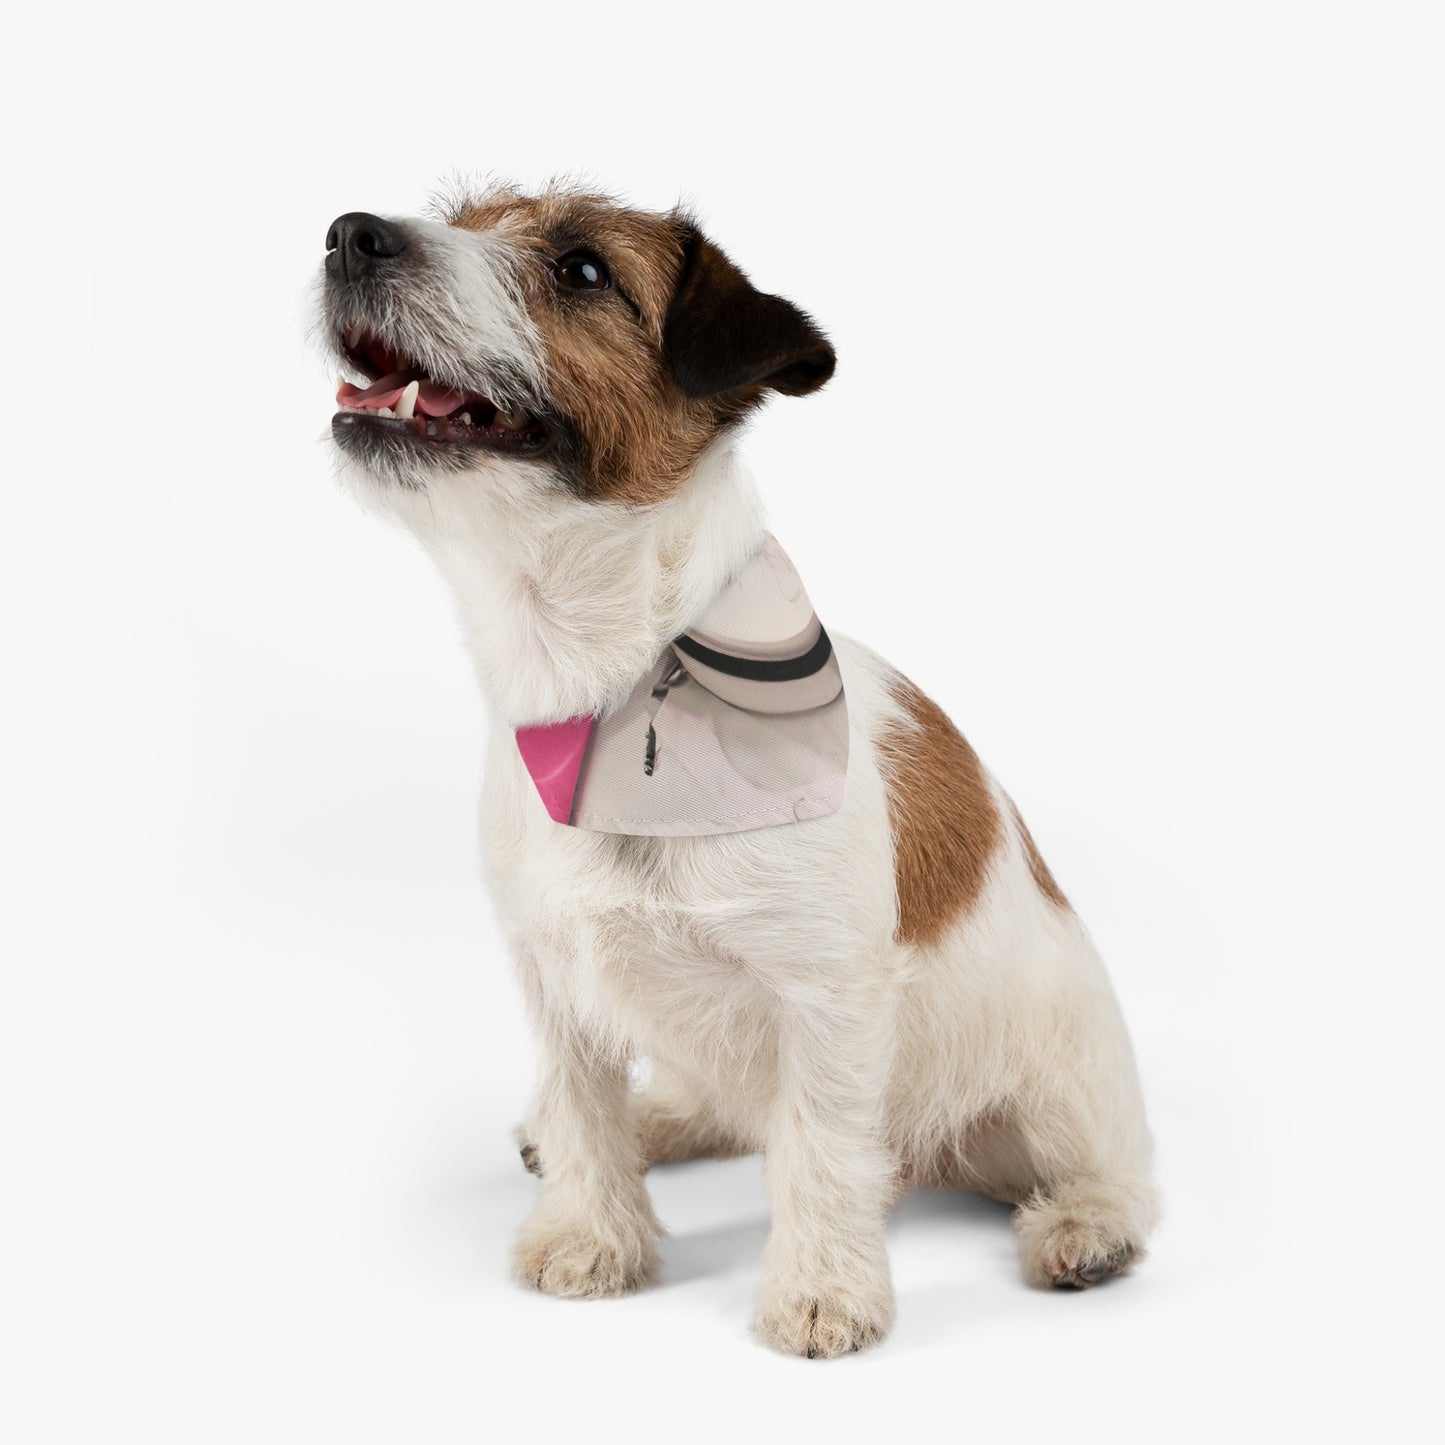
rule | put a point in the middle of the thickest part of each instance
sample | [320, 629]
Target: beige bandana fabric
[740, 724]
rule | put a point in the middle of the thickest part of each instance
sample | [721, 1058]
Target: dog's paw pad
[823, 1326]
[531, 1159]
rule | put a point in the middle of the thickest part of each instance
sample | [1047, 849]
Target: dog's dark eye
[581, 271]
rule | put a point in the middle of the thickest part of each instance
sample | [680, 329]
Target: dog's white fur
[758, 970]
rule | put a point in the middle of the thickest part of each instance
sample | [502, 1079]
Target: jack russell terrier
[721, 841]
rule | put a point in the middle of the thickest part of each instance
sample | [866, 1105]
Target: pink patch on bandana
[553, 754]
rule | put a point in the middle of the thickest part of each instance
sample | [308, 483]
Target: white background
[1132, 460]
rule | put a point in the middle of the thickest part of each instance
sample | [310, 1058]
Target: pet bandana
[741, 723]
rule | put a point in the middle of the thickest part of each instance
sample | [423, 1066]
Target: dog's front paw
[580, 1263]
[824, 1323]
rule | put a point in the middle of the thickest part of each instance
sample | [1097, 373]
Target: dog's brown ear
[722, 334]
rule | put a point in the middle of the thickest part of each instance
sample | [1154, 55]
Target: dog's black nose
[358, 241]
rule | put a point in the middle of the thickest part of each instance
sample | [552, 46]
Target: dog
[548, 391]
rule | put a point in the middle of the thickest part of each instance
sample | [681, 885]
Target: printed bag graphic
[740, 724]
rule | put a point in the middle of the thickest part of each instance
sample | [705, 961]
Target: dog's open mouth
[403, 400]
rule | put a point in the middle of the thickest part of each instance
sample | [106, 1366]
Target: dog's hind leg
[1085, 1205]
[1077, 1233]
[676, 1124]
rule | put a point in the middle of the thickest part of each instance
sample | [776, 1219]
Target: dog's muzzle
[400, 412]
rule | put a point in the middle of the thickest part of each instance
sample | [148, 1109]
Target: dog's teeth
[353, 336]
[406, 407]
[340, 381]
[514, 420]
[467, 418]
[386, 411]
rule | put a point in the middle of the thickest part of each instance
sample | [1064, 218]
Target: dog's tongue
[431, 400]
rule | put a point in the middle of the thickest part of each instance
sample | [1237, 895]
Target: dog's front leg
[826, 1288]
[593, 1231]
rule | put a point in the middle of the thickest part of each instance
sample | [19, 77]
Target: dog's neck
[565, 603]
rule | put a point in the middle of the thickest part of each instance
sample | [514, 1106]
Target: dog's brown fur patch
[946, 826]
[636, 434]
[1040, 870]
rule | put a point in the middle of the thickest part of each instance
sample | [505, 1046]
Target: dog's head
[562, 339]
